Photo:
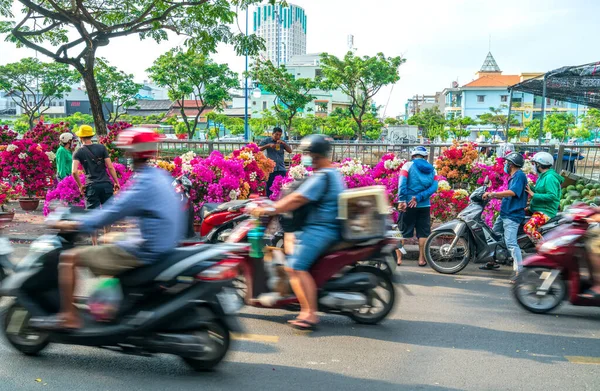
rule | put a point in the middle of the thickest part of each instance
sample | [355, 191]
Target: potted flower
[181, 131]
[7, 193]
[28, 164]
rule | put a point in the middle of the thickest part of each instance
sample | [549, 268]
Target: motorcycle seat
[211, 208]
[148, 273]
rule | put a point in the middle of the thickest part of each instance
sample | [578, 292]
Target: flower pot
[181, 136]
[7, 217]
[29, 204]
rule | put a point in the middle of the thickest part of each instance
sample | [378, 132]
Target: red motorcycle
[345, 285]
[561, 267]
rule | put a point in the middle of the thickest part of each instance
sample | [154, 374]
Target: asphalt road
[460, 332]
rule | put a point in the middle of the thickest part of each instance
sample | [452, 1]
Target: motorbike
[216, 220]
[6, 266]
[183, 305]
[345, 286]
[452, 245]
[560, 270]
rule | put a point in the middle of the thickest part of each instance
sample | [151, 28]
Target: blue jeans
[510, 230]
[312, 243]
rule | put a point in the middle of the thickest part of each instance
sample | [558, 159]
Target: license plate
[5, 246]
[230, 301]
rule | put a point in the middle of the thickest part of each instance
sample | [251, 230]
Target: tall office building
[283, 29]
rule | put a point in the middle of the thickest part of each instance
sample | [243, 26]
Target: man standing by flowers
[416, 186]
[95, 161]
[512, 211]
[275, 148]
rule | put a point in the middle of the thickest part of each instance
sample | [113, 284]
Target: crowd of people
[152, 200]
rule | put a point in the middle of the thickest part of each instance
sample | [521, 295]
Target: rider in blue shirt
[321, 230]
[151, 199]
[512, 210]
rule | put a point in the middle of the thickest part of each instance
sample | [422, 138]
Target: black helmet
[316, 143]
[516, 159]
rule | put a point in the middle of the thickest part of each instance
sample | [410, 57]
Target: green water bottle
[255, 237]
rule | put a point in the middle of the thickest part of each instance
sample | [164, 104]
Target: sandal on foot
[50, 323]
[489, 266]
[304, 325]
[591, 294]
[422, 264]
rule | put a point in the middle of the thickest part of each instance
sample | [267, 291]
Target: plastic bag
[105, 301]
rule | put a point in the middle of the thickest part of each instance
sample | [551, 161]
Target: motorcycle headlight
[552, 245]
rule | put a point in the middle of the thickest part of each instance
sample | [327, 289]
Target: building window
[480, 98]
[264, 105]
[503, 98]
[318, 73]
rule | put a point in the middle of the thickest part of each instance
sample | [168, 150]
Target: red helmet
[140, 142]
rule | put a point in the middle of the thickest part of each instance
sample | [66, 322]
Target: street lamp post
[246, 128]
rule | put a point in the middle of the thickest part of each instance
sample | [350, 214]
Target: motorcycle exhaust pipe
[183, 345]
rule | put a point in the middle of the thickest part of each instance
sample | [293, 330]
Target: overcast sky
[441, 40]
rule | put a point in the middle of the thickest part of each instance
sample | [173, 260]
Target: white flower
[393, 164]
[252, 176]
[352, 167]
[22, 155]
[443, 185]
[188, 156]
[233, 194]
[186, 167]
[11, 147]
[461, 193]
[51, 156]
[528, 167]
[298, 172]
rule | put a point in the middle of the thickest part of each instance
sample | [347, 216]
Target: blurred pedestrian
[416, 186]
[275, 149]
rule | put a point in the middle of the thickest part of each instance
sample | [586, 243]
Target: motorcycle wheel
[216, 336]
[527, 284]
[370, 313]
[17, 332]
[438, 255]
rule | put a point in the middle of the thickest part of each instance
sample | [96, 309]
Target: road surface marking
[255, 337]
[583, 360]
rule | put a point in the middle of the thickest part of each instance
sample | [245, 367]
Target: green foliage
[292, 94]
[139, 120]
[186, 73]
[559, 124]
[393, 121]
[70, 32]
[33, 84]
[180, 128]
[261, 126]
[235, 125]
[360, 78]
[458, 126]
[591, 121]
[533, 129]
[21, 126]
[115, 86]
[429, 121]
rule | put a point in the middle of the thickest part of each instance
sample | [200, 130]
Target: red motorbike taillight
[226, 269]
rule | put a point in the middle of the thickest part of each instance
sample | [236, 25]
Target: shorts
[107, 260]
[415, 219]
[310, 247]
[97, 194]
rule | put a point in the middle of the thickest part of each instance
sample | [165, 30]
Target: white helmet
[421, 151]
[543, 159]
[66, 137]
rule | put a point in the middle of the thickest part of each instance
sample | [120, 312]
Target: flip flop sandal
[489, 266]
[50, 323]
[304, 325]
[422, 264]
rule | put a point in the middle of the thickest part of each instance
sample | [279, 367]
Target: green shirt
[546, 197]
[64, 162]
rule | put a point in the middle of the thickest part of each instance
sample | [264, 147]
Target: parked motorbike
[452, 245]
[183, 305]
[561, 261]
[345, 286]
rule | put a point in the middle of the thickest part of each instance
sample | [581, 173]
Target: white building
[283, 29]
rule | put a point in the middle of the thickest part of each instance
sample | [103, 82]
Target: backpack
[294, 221]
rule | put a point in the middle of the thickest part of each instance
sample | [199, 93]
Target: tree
[218, 121]
[116, 87]
[291, 94]
[188, 74]
[533, 129]
[458, 126]
[393, 121]
[591, 121]
[260, 125]
[360, 78]
[33, 85]
[559, 124]
[372, 127]
[428, 120]
[496, 119]
[71, 31]
[235, 125]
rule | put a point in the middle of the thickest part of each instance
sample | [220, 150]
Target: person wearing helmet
[416, 185]
[545, 195]
[150, 198]
[321, 228]
[512, 210]
[64, 156]
[95, 161]
[275, 148]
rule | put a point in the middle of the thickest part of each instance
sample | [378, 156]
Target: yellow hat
[85, 131]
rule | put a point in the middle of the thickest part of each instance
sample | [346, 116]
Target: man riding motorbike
[545, 195]
[321, 229]
[593, 247]
[150, 198]
[512, 210]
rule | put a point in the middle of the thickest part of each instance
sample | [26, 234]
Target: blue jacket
[417, 179]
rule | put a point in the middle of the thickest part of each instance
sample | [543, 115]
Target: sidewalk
[28, 226]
